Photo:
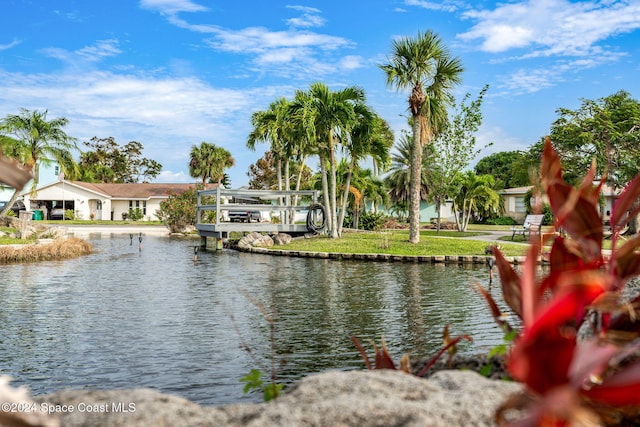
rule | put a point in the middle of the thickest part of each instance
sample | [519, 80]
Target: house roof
[136, 190]
[144, 191]
[607, 190]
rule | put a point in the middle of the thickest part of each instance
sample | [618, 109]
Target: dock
[279, 213]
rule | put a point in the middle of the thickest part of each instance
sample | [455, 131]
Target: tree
[369, 136]
[473, 194]
[262, 173]
[508, 168]
[179, 211]
[454, 148]
[399, 178]
[106, 161]
[37, 140]
[606, 130]
[424, 66]
[331, 116]
[208, 162]
[274, 126]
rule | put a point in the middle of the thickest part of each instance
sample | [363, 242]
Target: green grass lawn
[397, 243]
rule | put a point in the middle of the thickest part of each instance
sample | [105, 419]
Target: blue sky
[174, 73]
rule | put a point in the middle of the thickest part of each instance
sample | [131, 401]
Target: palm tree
[425, 66]
[473, 193]
[208, 162]
[38, 141]
[366, 138]
[272, 126]
[399, 179]
[333, 116]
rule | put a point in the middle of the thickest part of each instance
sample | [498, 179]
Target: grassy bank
[397, 243]
[58, 249]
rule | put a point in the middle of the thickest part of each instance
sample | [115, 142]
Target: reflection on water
[126, 317]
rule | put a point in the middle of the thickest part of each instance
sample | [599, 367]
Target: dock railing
[279, 215]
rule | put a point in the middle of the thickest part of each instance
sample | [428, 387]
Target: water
[128, 317]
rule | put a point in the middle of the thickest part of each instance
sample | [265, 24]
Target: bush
[502, 220]
[135, 214]
[70, 214]
[179, 211]
[371, 221]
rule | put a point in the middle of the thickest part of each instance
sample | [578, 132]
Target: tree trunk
[415, 183]
[325, 191]
[9, 204]
[345, 200]
[333, 194]
[298, 181]
[438, 208]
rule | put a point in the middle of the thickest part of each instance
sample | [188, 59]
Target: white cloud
[172, 7]
[551, 27]
[102, 49]
[291, 53]
[166, 115]
[14, 43]
[173, 177]
[310, 17]
[444, 6]
[351, 62]
[88, 54]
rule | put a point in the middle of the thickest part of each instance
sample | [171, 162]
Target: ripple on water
[126, 317]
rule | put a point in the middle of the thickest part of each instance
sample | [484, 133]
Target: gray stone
[264, 241]
[246, 242]
[281, 239]
[335, 398]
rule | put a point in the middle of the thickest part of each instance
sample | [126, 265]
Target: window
[137, 205]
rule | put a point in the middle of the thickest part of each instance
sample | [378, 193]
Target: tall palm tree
[367, 138]
[399, 179]
[273, 126]
[39, 141]
[333, 117]
[208, 162]
[425, 66]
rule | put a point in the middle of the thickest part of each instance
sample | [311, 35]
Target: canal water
[147, 315]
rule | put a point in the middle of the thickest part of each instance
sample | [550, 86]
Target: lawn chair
[532, 223]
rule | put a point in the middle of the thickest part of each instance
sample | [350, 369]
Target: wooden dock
[278, 213]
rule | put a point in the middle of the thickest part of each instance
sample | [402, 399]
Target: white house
[515, 208]
[102, 201]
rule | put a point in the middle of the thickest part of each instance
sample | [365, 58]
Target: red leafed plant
[382, 359]
[577, 351]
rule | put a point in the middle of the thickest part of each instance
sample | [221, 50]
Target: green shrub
[135, 214]
[179, 210]
[371, 221]
[502, 220]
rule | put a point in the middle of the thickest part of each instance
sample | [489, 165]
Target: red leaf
[530, 291]
[510, 282]
[625, 260]
[550, 168]
[561, 259]
[435, 358]
[383, 360]
[541, 357]
[495, 311]
[624, 203]
[590, 358]
[363, 353]
[622, 388]
[577, 215]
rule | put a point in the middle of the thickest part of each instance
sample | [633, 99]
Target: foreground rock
[354, 398]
